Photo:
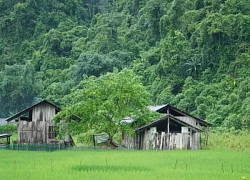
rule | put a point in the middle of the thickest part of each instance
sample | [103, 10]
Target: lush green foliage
[192, 165]
[193, 54]
[101, 103]
[8, 128]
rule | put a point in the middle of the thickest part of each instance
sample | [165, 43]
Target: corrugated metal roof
[157, 107]
[127, 120]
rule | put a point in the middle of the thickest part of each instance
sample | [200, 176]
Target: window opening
[52, 132]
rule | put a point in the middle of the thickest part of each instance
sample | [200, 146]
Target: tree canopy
[102, 102]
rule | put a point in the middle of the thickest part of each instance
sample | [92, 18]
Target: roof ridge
[30, 107]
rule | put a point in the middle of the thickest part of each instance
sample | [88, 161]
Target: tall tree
[103, 102]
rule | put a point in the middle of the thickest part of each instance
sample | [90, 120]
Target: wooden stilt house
[35, 125]
[176, 129]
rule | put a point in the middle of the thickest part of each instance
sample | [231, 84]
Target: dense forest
[193, 54]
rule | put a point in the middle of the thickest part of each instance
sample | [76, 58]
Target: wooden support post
[145, 140]
[206, 137]
[142, 140]
[138, 140]
[168, 134]
[181, 141]
[135, 140]
[191, 138]
[168, 125]
[19, 125]
[161, 140]
[94, 139]
[168, 118]
[200, 140]
[168, 131]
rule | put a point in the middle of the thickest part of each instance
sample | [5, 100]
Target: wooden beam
[168, 120]
[168, 137]
[191, 138]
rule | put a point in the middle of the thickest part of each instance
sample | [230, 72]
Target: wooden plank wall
[43, 112]
[196, 140]
[30, 132]
[128, 141]
[164, 141]
[189, 120]
[36, 131]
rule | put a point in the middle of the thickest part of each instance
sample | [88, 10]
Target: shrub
[8, 128]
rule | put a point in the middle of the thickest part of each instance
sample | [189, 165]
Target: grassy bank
[239, 141]
[113, 164]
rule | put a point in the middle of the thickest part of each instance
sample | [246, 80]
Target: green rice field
[122, 164]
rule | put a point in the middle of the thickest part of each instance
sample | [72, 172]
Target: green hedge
[8, 128]
[36, 147]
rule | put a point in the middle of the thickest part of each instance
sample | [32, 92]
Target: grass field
[129, 165]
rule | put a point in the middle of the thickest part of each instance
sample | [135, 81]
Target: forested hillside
[193, 54]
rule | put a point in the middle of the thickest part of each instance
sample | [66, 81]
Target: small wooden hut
[176, 129]
[35, 125]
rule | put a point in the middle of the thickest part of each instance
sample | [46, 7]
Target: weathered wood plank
[36, 131]
[189, 120]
